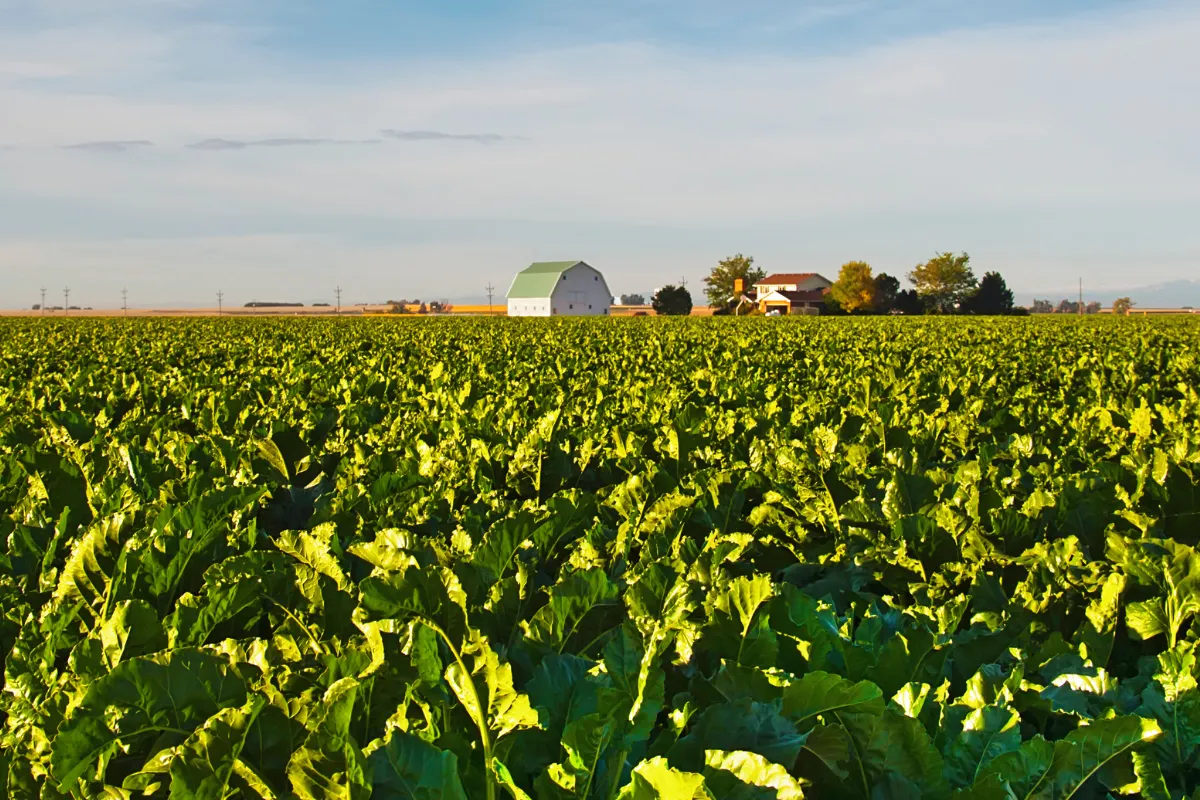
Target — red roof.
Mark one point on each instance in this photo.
(787, 278)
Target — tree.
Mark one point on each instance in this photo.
(992, 297)
(831, 307)
(886, 290)
(1092, 308)
(1067, 307)
(633, 300)
(909, 302)
(719, 282)
(1042, 307)
(1123, 305)
(855, 287)
(672, 301)
(944, 281)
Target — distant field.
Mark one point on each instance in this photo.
(229, 311)
(498, 309)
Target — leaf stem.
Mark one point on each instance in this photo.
(484, 735)
(614, 782)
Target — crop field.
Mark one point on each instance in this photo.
(640, 558)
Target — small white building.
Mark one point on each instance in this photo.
(559, 289)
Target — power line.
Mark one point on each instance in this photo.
(66, 301)
(220, 299)
(43, 305)
(490, 290)
(125, 302)
(338, 292)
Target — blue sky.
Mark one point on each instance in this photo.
(275, 149)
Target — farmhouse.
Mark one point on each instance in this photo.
(792, 293)
(559, 288)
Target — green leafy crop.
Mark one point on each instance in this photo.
(599, 559)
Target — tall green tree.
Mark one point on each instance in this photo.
(719, 283)
(855, 287)
(672, 301)
(992, 297)
(944, 281)
(887, 289)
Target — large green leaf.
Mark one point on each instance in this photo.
(91, 568)
(585, 741)
(204, 764)
(822, 693)
(986, 733)
(1041, 769)
(743, 725)
(582, 596)
(655, 779)
(748, 776)
(330, 765)
(406, 768)
(741, 630)
(497, 553)
(500, 708)
(170, 693)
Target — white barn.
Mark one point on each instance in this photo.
(559, 288)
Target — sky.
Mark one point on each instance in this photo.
(428, 148)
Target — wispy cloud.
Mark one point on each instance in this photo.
(440, 136)
(119, 146)
(238, 144)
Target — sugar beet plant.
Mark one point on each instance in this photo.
(600, 559)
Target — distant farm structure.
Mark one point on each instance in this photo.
(559, 288)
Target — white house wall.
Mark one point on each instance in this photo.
(807, 285)
(581, 292)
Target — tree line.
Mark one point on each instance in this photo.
(1121, 305)
(945, 284)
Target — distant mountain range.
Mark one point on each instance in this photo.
(1172, 294)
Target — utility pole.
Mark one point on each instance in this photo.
(1081, 297)
(338, 292)
(491, 290)
(43, 306)
(220, 299)
(66, 301)
(125, 302)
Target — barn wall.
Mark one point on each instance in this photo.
(529, 307)
(581, 292)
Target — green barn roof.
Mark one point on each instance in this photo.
(538, 280)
